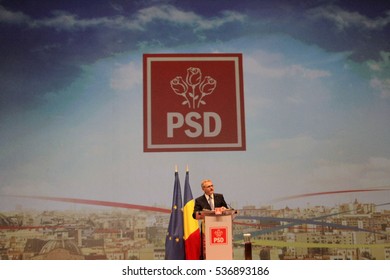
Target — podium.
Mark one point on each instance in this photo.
(217, 234)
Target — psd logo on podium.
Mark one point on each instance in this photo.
(193, 102)
(218, 236)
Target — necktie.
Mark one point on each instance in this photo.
(211, 202)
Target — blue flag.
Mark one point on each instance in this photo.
(174, 242)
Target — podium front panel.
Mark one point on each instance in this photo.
(218, 238)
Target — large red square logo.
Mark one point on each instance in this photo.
(193, 102)
(218, 236)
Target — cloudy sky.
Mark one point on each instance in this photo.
(316, 87)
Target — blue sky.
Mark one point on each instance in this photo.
(317, 99)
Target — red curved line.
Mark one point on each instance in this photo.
(96, 202)
(333, 192)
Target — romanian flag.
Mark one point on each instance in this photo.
(191, 227)
(174, 242)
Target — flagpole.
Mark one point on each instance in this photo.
(174, 242)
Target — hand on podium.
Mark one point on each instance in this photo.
(219, 210)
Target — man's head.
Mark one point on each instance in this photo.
(207, 187)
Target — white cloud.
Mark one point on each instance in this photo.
(172, 14)
(256, 65)
(167, 13)
(65, 21)
(375, 172)
(60, 20)
(273, 84)
(12, 17)
(311, 74)
(345, 19)
(228, 16)
(126, 77)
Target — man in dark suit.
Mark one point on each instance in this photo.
(209, 200)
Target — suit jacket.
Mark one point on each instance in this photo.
(202, 203)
